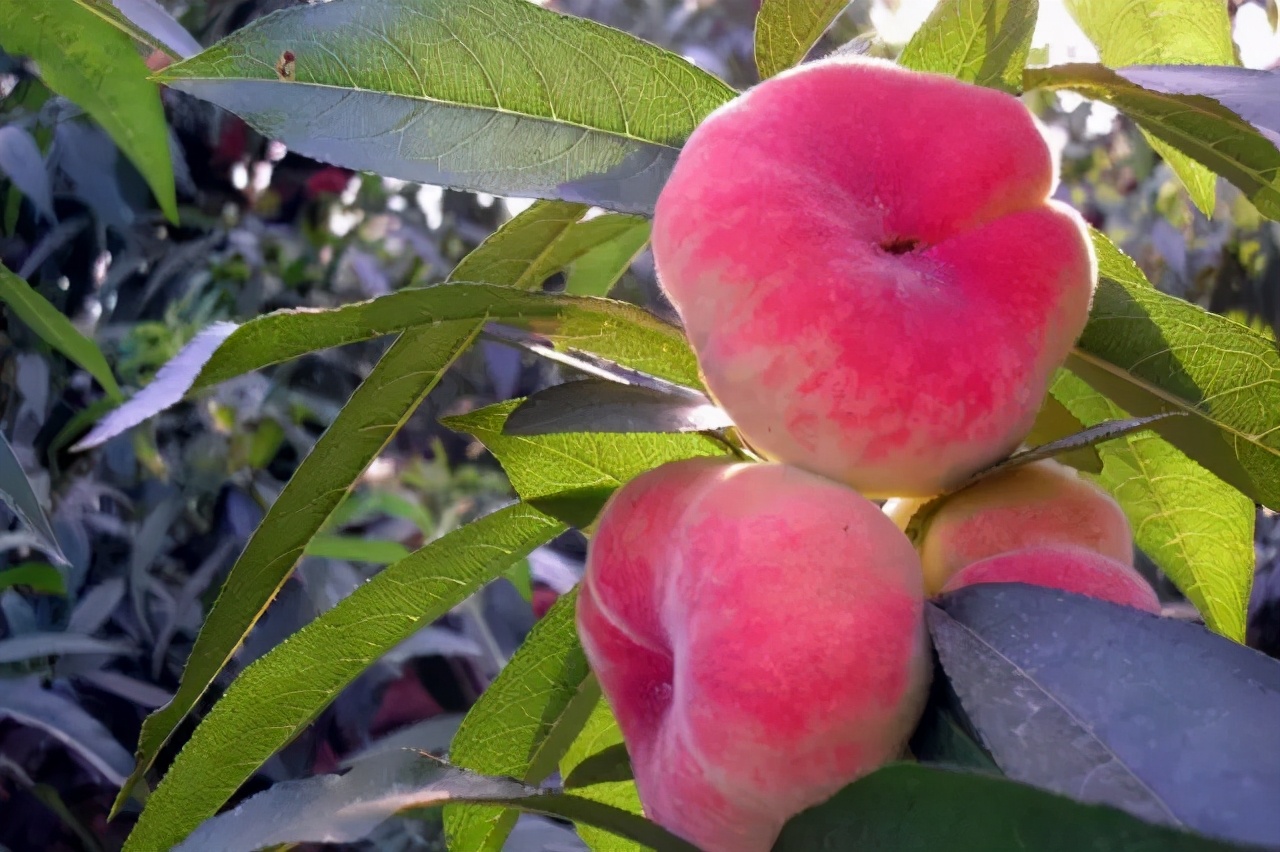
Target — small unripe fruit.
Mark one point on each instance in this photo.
(758, 632)
(1071, 569)
(1042, 503)
(871, 273)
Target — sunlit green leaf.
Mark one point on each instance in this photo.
(978, 41)
(500, 96)
(601, 732)
(786, 30)
(1162, 32)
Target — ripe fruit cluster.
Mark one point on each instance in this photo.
(878, 289)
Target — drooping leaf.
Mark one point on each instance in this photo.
(402, 378)
(922, 807)
(93, 64)
(550, 465)
(38, 576)
(978, 41)
(1111, 705)
(27, 703)
(23, 164)
(53, 327)
(1214, 137)
(599, 405)
(1198, 529)
(522, 724)
(615, 330)
(601, 734)
(502, 96)
(346, 808)
(34, 646)
(786, 30)
(1150, 352)
(1163, 32)
(19, 496)
(282, 691)
(1249, 93)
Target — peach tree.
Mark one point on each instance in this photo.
(856, 267)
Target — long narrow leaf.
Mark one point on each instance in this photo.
(281, 692)
(405, 374)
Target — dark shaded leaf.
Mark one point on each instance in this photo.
(1054, 422)
(907, 808)
(18, 495)
(26, 703)
(610, 764)
(1108, 704)
(600, 405)
(23, 164)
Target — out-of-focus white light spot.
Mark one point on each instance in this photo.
(1061, 36)
(393, 184)
(109, 303)
(380, 470)
(276, 151)
(430, 201)
(64, 283)
(101, 265)
(93, 308)
(1069, 101)
(1259, 44)
(484, 199)
(1056, 136)
(342, 221)
(8, 82)
(592, 213)
(516, 206)
(262, 172)
(397, 203)
(897, 25)
(1102, 118)
(352, 191)
(239, 176)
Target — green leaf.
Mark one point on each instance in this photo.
(786, 30)
(523, 723)
(547, 465)
(1198, 529)
(499, 96)
(93, 64)
(517, 253)
(1053, 423)
(614, 330)
(346, 809)
(355, 549)
(53, 327)
(107, 11)
(37, 576)
(600, 734)
(281, 692)
(405, 374)
(18, 495)
(905, 806)
(1163, 32)
(1196, 125)
(978, 41)
(596, 271)
(1152, 353)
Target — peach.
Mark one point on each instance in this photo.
(871, 273)
(1071, 569)
(1040, 503)
(758, 632)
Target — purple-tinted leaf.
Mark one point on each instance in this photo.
(28, 704)
(1251, 94)
(1111, 705)
(22, 163)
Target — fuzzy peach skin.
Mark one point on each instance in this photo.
(758, 632)
(870, 272)
(1041, 503)
(1071, 569)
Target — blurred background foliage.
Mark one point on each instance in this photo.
(95, 626)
